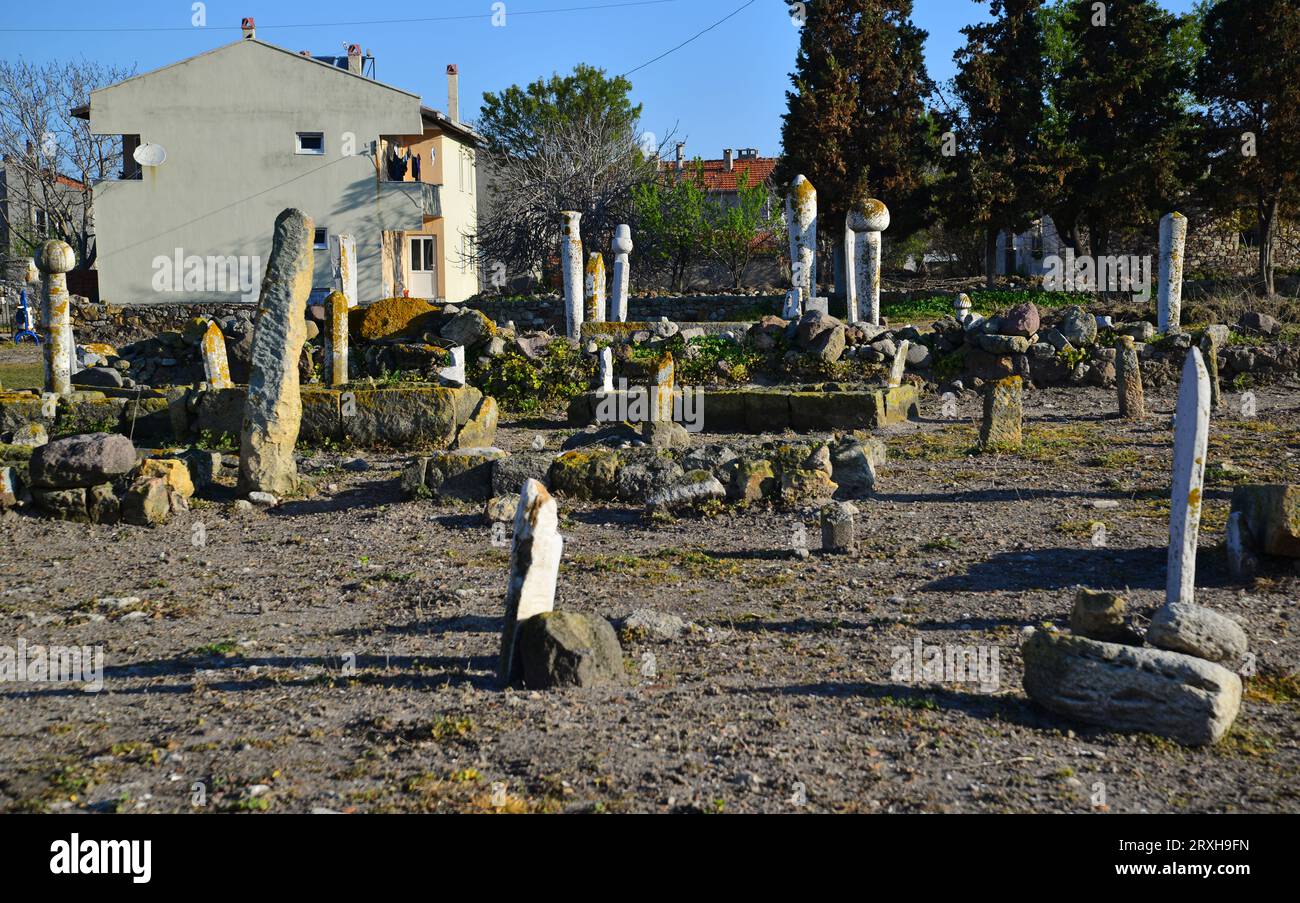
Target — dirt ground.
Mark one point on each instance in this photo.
(339, 652)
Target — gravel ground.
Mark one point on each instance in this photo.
(339, 652)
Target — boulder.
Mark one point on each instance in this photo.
(569, 649)
(80, 461)
(464, 473)
(481, 429)
(1199, 631)
(640, 480)
(394, 318)
(30, 435)
(98, 378)
(1021, 320)
(589, 473)
(1262, 324)
(1078, 326)
(852, 468)
(1270, 516)
(751, 480)
(172, 471)
(62, 504)
(1186, 699)
(509, 474)
(658, 625)
(804, 486)
(147, 503)
(694, 488)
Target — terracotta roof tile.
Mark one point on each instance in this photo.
(716, 177)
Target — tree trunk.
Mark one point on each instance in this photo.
(1267, 228)
(991, 256)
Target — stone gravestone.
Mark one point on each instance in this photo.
(899, 366)
(1128, 380)
(606, 361)
(790, 308)
(1169, 297)
(1003, 413)
(863, 284)
(1191, 436)
(837, 520)
(621, 245)
(801, 221)
(1210, 354)
(216, 366)
(593, 289)
(534, 566)
(343, 250)
(55, 258)
(659, 429)
(273, 408)
(571, 269)
(336, 339)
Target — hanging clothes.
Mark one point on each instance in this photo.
(415, 168)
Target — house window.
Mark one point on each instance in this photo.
(40, 221)
(312, 143)
(321, 239)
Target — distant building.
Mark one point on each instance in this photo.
(249, 129)
(722, 177)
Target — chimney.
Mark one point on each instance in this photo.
(681, 155)
(249, 27)
(726, 159)
(453, 92)
(354, 59)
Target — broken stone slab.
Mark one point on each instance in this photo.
(534, 567)
(1196, 630)
(693, 488)
(899, 366)
(1003, 416)
(1191, 437)
(1127, 688)
(83, 460)
(481, 429)
(273, 408)
(837, 523)
(1269, 518)
(500, 509)
(569, 649)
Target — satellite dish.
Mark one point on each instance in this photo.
(149, 154)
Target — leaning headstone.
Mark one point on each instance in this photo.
(801, 222)
(1191, 435)
(343, 253)
(837, 520)
(534, 566)
(1169, 297)
(899, 366)
(336, 338)
(1003, 415)
(273, 408)
(1128, 380)
(1129, 688)
(621, 245)
(216, 367)
(593, 289)
(55, 258)
(606, 359)
(864, 279)
(571, 269)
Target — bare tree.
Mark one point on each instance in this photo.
(588, 163)
(52, 161)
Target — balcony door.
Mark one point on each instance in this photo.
(423, 266)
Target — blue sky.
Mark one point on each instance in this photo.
(725, 89)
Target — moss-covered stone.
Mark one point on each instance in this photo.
(805, 486)
(569, 649)
(394, 318)
(1272, 515)
(589, 473)
(481, 430)
(95, 416)
(322, 418)
(765, 411)
(465, 473)
(752, 480)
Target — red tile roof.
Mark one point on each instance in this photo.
(715, 175)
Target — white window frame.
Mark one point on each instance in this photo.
(306, 151)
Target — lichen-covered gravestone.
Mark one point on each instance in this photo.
(1128, 380)
(862, 255)
(571, 270)
(55, 258)
(534, 567)
(801, 221)
(1003, 413)
(216, 366)
(593, 289)
(1169, 296)
(336, 339)
(273, 409)
(1191, 435)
